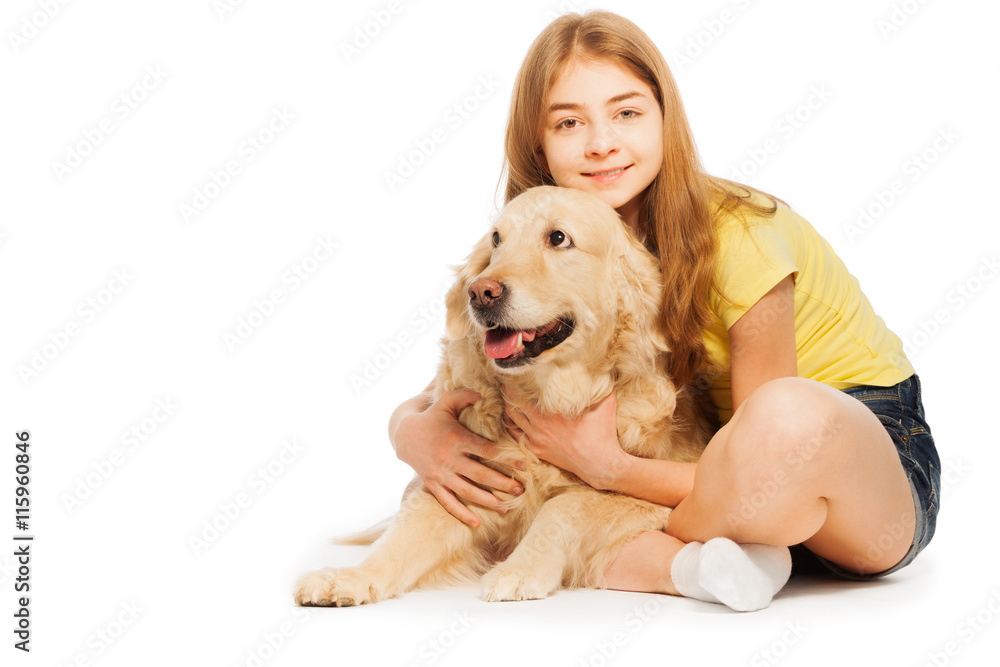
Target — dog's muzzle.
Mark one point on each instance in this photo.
(511, 347)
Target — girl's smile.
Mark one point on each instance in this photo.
(610, 176)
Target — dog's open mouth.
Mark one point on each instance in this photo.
(513, 347)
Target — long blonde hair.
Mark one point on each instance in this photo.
(678, 221)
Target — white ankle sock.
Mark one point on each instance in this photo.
(744, 577)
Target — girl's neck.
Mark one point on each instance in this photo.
(630, 215)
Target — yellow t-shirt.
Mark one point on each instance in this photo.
(839, 340)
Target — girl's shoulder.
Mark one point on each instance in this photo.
(732, 203)
(742, 210)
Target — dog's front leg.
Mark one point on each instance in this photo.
(536, 566)
(420, 544)
(571, 542)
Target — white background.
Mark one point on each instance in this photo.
(188, 283)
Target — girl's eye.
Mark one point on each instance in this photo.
(496, 239)
(569, 123)
(559, 240)
(629, 114)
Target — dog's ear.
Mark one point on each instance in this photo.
(457, 322)
(640, 292)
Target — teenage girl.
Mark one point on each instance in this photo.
(823, 441)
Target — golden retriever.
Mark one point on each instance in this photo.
(557, 305)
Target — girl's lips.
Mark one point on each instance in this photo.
(608, 175)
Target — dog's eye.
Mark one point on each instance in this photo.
(559, 240)
(496, 239)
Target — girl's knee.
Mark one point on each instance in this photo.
(787, 420)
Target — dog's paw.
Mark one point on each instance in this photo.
(335, 588)
(509, 583)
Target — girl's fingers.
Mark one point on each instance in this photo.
(453, 505)
(458, 399)
(477, 496)
(512, 459)
(516, 415)
(461, 488)
(486, 449)
(481, 474)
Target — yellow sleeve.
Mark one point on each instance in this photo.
(752, 259)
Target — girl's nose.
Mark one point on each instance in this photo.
(603, 140)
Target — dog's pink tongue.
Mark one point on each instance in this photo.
(502, 343)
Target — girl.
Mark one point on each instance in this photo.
(823, 440)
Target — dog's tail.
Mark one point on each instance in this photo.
(365, 537)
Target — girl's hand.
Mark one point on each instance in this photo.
(438, 448)
(586, 446)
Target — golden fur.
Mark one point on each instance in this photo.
(559, 532)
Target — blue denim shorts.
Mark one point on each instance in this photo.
(901, 411)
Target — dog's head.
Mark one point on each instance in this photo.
(559, 280)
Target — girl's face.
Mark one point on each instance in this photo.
(603, 133)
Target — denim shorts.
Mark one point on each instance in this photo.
(901, 411)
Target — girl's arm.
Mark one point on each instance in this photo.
(427, 436)
(762, 349)
(762, 342)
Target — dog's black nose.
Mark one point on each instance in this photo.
(486, 293)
